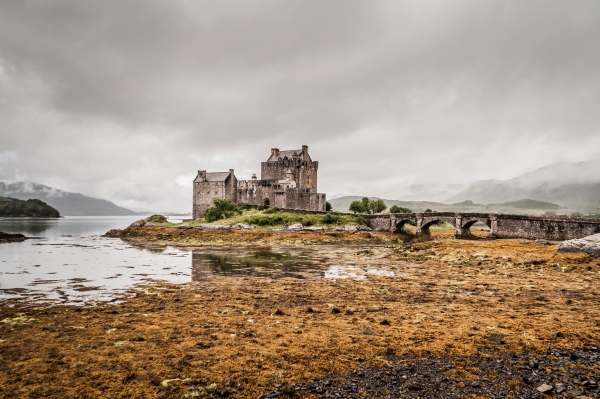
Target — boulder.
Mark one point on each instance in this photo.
(138, 223)
(351, 228)
(313, 228)
(295, 226)
(211, 227)
(587, 245)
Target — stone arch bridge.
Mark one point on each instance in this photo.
(501, 226)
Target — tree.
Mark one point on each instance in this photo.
(399, 209)
(428, 210)
(377, 206)
(328, 206)
(357, 207)
(366, 205)
(221, 209)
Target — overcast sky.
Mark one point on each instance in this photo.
(126, 100)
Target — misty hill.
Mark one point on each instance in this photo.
(432, 192)
(71, 204)
(12, 207)
(572, 185)
(525, 206)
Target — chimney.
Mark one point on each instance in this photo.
(202, 175)
(274, 151)
(305, 152)
(253, 176)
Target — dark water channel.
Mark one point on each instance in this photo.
(69, 261)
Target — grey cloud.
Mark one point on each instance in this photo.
(137, 92)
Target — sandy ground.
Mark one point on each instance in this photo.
(239, 337)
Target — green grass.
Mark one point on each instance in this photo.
(268, 218)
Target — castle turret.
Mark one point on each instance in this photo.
(289, 174)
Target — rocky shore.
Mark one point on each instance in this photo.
(7, 237)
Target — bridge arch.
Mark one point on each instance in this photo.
(467, 221)
(426, 220)
(399, 222)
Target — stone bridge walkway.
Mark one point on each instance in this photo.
(501, 226)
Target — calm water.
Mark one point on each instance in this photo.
(70, 261)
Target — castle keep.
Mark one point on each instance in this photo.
(288, 180)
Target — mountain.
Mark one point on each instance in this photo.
(69, 204)
(572, 185)
(525, 206)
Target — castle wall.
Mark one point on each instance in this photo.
(251, 192)
(204, 194)
(305, 172)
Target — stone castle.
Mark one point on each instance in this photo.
(288, 180)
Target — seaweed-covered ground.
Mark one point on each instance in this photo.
(464, 319)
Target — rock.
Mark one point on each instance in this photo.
(242, 226)
(545, 388)
(8, 237)
(384, 322)
(314, 228)
(335, 311)
(540, 241)
(588, 245)
(295, 226)
(560, 388)
(138, 223)
(212, 227)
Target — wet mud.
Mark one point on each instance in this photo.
(450, 315)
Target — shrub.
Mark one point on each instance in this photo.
(270, 210)
(221, 209)
(399, 209)
(328, 206)
(329, 219)
(158, 219)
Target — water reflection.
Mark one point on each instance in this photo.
(256, 262)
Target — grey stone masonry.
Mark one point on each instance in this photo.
(553, 228)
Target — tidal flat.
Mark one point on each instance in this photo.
(408, 318)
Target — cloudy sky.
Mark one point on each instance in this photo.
(126, 100)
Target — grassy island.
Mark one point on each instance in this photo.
(12, 207)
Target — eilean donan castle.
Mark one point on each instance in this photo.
(288, 180)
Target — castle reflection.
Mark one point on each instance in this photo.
(263, 262)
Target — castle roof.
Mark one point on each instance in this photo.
(283, 154)
(214, 176)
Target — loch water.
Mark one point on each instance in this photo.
(68, 260)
